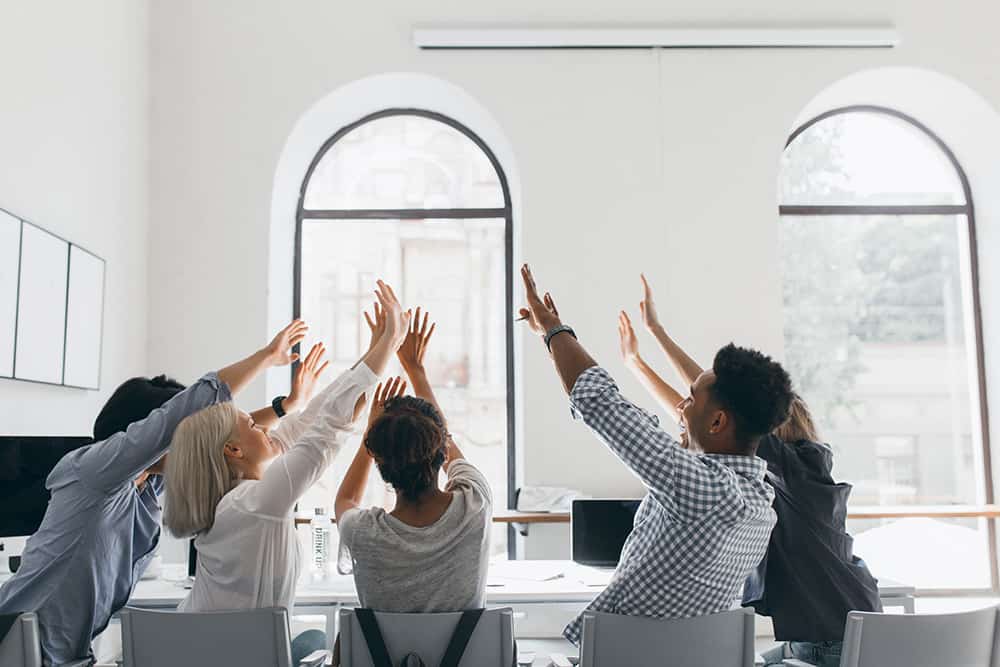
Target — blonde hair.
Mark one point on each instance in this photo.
(197, 474)
(799, 425)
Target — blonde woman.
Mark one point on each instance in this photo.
(233, 485)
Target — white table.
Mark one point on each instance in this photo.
(510, 583)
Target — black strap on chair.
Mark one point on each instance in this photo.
(373, 637)
(452, 655)
(460, 637)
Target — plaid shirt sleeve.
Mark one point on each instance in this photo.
(684, 484)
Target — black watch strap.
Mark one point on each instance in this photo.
(277, 407)
(556, 330)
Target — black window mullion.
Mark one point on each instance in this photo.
(847, 209)
(403, 214)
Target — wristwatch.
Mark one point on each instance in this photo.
(277, 407)
(554, 331)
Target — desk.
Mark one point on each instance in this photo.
(522, 585)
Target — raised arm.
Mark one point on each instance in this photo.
(277, 353)
(411, 358)
(661, 390)
(352, 488)
(292, 473)
(123, 456)
(570, 358)
(303, 385)
(686, 367)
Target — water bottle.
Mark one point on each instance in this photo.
(321, 534)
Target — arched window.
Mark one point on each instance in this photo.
(883, 338)
(417, 199)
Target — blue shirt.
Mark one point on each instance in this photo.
(702, 527)
(99, 530)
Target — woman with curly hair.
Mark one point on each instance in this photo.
(430, 552)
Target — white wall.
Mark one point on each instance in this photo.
(74, 131)
(629, 160)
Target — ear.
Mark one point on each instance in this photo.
(719, 422)
(232, 451)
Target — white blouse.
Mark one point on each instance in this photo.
(250, 557)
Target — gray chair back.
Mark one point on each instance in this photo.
(21, 647)
(250, 638)
(427, 635)
(717, 640)
(967, 639)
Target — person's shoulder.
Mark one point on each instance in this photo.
(360, 518)
(467, 478)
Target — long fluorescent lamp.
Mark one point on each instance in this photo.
(443, 37)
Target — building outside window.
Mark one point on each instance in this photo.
(882, 335)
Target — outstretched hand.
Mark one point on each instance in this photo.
(306, 377)
(648, 309)
(376, 324)
(383, 393)
(397, 321)
(411, 352)
(627, 339)
(541, 313)
(279, 350)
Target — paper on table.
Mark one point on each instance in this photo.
(525, 570)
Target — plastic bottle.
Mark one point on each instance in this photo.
(321, 538)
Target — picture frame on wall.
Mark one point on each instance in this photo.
(51, 307)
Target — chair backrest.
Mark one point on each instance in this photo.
(965, 639)
(427, 635)
(716, 640)
(251, 638)
(21, 647)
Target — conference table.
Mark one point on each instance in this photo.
(544, 594)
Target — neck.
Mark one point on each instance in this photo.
(424, 500)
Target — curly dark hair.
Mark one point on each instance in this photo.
(132, 402)
(754, 389)
(408, 442)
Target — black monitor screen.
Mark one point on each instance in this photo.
(600, 528)
(25, 462)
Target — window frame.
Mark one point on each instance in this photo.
(505, 212)
(968, 210)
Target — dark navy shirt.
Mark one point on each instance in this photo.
(809, 578)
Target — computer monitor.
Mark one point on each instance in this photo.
(600, 528)
(25, 462)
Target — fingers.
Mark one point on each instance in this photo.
(293, 357)
(529, 284)
(430, 333)
(645, 286)
(386, 295)
(294, 327)
(371, 325)
(322, 368)
(550, 304)
(315, 353)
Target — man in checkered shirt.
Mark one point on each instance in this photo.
(706, 519)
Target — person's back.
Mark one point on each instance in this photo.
(431, 552)
(811, 577)
(436, 568)
(101, 525)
